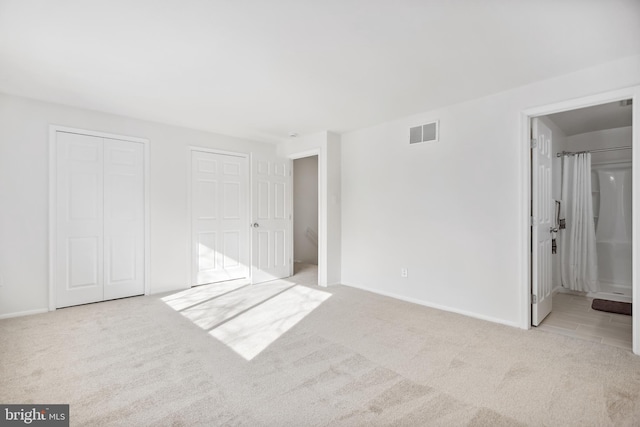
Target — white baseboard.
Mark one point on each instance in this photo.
(24, 313)
(438, 306)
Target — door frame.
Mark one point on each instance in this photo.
(322, 212)
(632, 93)
(297, 156)
(247, 157)
(53, 198)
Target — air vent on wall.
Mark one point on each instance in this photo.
(423, 133)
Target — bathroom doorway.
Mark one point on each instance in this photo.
(305, 218)
(530, 299)
(581, 221)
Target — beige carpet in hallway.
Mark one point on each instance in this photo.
(339, 356)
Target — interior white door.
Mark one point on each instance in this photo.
(123, 219)
(220, 238)
(542, 212)
(100, 219)
(271, 211)
(79, 219)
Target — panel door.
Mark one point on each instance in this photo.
(220, 238)
(271, 211)
(123, 219)
(542, 209)
(79, 220)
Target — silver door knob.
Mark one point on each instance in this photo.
(553, 230)
(255, 225)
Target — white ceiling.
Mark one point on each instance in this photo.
(599, 117)
(261, 69)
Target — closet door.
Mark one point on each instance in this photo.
(79, 219)
(271, 210)
(219, 220)
(123, 219)
(100, 219)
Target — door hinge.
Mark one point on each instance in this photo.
(534, 299)
(532, 220)
(534, 143)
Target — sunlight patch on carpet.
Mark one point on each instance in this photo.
(216, 311)
(196, 295)
(254, 330)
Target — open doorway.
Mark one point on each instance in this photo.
(581, 232)
(305, 218)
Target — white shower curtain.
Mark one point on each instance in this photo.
(578, 257)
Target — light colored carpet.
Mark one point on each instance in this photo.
(342, 357)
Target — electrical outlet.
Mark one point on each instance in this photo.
(404, 272)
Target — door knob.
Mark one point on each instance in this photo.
(255, 225)
(553, 229)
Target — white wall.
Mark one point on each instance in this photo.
(618, 137)
(452, 212)
(334, 208)
(24, 175)
(305, 209)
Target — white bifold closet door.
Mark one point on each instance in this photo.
(219, 217)
(100, 251)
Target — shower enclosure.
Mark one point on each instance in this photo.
(611, 187)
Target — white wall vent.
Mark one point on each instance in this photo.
(423, 133)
